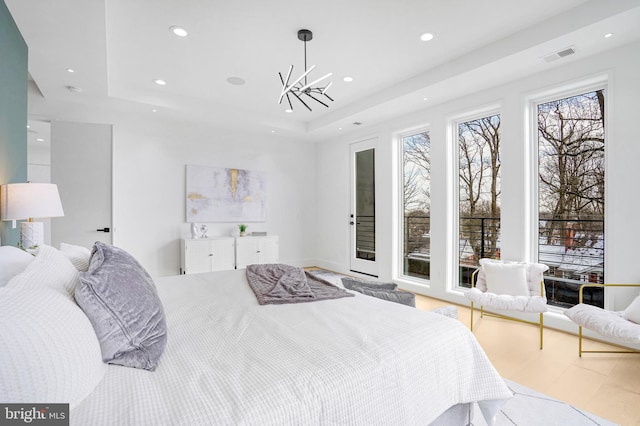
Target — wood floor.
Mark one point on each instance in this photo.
(607, 385)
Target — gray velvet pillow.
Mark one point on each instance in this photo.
(120, 299)
(353, 284)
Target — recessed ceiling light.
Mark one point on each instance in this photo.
(160, 82)
(236, 81)
(348, 79)
(273, 131)
(28, 127)
(71, 70)
(425, 99)
(179, 31)
(40, 140)
(288, 110)
(154, 110)
(608, 35)
(426, 37)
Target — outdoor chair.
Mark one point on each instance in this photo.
(623, 326)
(509, 286)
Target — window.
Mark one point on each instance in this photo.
(416, 202)
(571, 173)
(479, 193)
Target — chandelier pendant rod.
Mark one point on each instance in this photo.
(305, 60)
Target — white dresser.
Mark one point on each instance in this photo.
(251, 250)
(224, 253)
(207, 254)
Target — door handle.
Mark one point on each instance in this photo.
(104, 230)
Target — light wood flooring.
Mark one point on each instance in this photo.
(607, 385)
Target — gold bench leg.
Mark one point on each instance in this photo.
(541, 328)
(472, 316)
(580, 342)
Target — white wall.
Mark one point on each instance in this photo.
(149, 188)
(622, 231)
(39, 171)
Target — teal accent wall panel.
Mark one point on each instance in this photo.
(13, 111)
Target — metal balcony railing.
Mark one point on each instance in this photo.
(573, 250)
(417, 246)
(366, 237)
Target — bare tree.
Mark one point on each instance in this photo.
(412, 190)
(571, 163)
(417, 160)
(479, 162)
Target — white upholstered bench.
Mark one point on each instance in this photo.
(619, 325)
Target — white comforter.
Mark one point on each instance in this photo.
(356, 360)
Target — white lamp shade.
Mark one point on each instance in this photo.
(19, 201)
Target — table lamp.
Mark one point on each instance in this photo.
(25, 201)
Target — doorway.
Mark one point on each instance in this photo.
(81, 164)
(362, 218)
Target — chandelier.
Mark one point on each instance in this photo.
(300, 88)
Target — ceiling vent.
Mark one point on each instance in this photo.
(560, 54)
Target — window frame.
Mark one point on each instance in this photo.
(576, 88)
(399, 187)
(454, 227)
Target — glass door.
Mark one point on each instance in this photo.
(363, 208)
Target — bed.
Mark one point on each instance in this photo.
(353, 360)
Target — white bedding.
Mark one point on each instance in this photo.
(356, 360)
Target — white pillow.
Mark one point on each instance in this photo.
(632, 313)
(49, 268)
(535, 274)
(48, 349)
(78, 255)
(12, 262)
(506, 278)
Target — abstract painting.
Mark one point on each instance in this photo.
(218, 194)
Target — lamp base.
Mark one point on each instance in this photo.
(31, 234)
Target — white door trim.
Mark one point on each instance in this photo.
(356, 263)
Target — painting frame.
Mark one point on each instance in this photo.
(224, 194)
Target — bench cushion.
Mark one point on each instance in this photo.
(533, 304)
(604, 322)
(632, 313)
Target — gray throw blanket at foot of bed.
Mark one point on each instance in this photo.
(277, 283)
